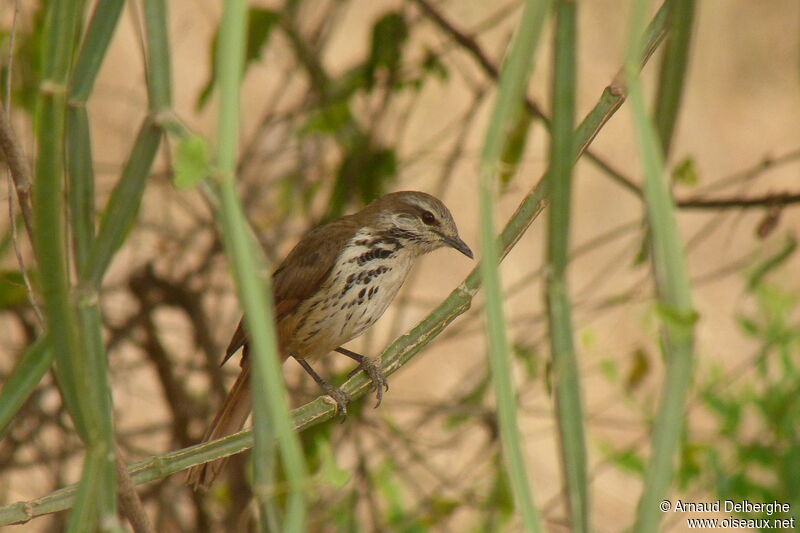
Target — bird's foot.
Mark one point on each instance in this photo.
(340, 397)
(372, 368)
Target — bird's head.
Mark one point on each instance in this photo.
(418, 220)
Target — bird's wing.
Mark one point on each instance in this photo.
(302, 272)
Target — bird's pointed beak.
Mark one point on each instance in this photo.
(458, 244)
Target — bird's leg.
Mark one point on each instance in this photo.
(371, 368)
(339, 396)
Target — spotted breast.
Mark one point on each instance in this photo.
(363, 281)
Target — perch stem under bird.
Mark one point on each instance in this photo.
(335, 283)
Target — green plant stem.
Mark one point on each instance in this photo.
(614, 95)
(48, 208)
(100, 459)
(569, 405)
(508, 106)
(80, 171)
(80, 178)
(123, 205)
(674, 295)
(120, 212)
(158, 65)
(28, 372)
(94, 47)
(271, 417)
(674, 64)
(83, 384)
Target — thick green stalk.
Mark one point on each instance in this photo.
(99, 469)
(674, 295)
(271, 418)
(158, 62)
(120, 212)
(94, 47)
(510, 96)
(614, 95)
(80, 178)
(91, 512)
(81, 363)
(674, 64)
(80, 171)
(48, 207)
(84, 388)
(103, 447)
(569, 405)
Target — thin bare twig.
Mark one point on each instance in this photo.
(19, 173)
(129, 502)
(767, 163)
(767, 200)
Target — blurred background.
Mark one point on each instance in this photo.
(344, 100)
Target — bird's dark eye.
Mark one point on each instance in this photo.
(428, 218)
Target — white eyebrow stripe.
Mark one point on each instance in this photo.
(422, 204)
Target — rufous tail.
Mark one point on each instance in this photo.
(229, 419)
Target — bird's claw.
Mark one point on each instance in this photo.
(372, 368)
(340, 398)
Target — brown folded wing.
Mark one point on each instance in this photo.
(302, 273)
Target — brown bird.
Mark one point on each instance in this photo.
(335, 283)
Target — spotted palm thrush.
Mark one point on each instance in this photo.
(335, 283)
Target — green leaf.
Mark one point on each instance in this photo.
(382, 164)
(391, 493)
(471, 399)
(640, 368)
(430, 66)
(27, 73)
(610, 370)
(727, 410)
(527, 355)
(748, 325)
(673, 317)
(513, 148)
(629, 459)
(685, 173)
(364, 173)
(500, 496)
(328, 119)
(330, 473)
(26, 375)
(691, 465)
(192, 163)
(756, 452)
(643, 254)
(772, 262)
(433, 65)
(388, 36)
(260, 23)
(12, 289)
(346, 85)
(439, 510)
